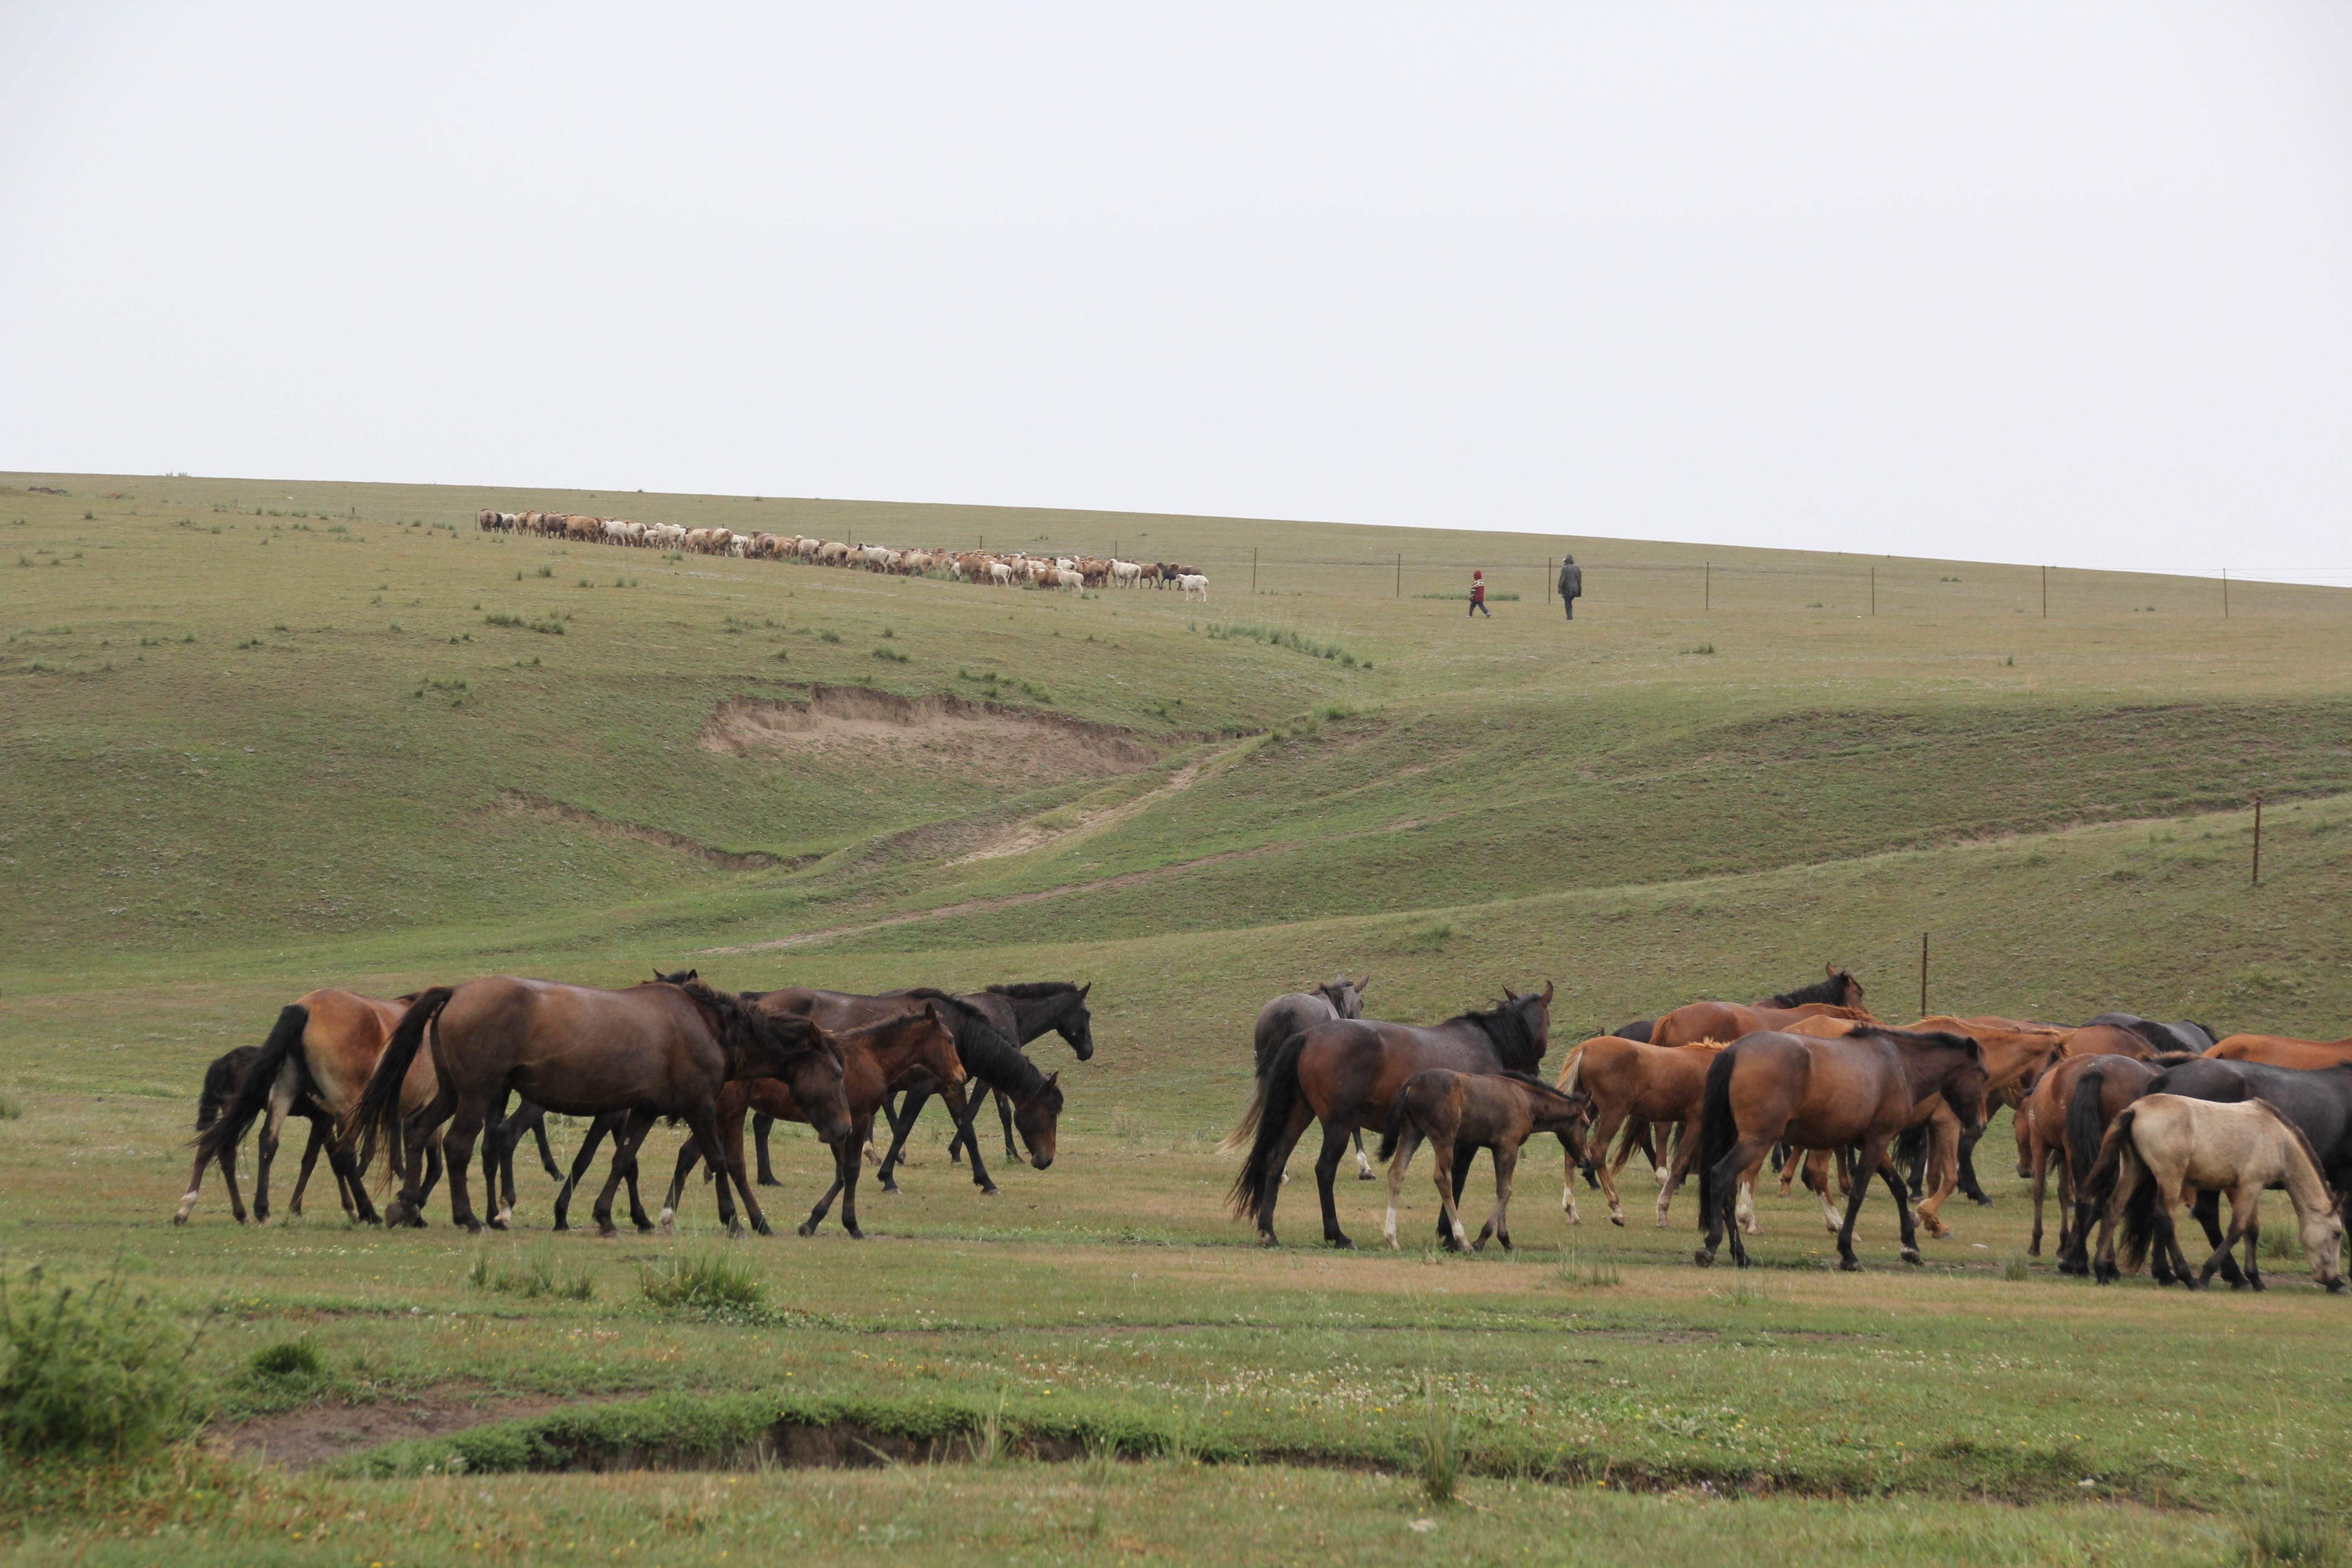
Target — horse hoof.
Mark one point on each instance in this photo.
(989, 1191)
(1363, 1175)
(1703, 1259)
(765, 1228)
(767, 1182)
(2337, 1287)
(1341, 1242)
(809, 1229)
(606, 1232)
(1911, 1255)
(1980, 1201)
(1619, 1221)
(1849, 1265)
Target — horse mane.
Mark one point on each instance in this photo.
(2318, 1171)
(731, 1015)
(1507, 1026)
(1033, 990)
(987, 1053)
(1831, 989)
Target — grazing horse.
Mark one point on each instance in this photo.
(2103, 1089)
(2042, 1120)
(1022, 1012)
(1458, 1111)
(873, 1057)
(1632, 1084)
(325, 1047)
(2016, 1055)
(222, 1081)
(1863, 1089)
(995, 1064)
(2318, 1103)
(1294, 1013)
(657, 1048)
(2283, 1051)
(1346, 1073)
(2167, 1144)
(2195, 1038)
(1837, 995)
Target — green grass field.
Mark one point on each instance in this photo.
(263, 736)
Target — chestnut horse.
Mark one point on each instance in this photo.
(1344, 1073)
(875, 1058)
(659, 1049)
(2283, 1051)
(2064, 1124)
(324, 1047)
(1629, 1083)
(1833, 1094)
(1838, 997)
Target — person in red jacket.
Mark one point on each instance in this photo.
(1478, 595)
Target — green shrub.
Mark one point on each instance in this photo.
(9, 1109)
(1441, 1447)
(538, 1276)
(91, 1371)
(288, 1361)
(714, 1280)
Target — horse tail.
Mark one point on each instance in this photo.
(1267, 1045)
(1572, 1069)
(2119, 1162)
(253, 1092)
(2083, 1123)
(1393, 1132)
(379, 1107)
(2097, 1184)
(1718, 1128)
(1277, 1095)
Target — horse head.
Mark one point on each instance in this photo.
(1038, 1117)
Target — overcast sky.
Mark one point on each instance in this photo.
(2066, 283)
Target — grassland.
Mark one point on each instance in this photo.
(262, 736)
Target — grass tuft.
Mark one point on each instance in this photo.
(1441, 1447)
(714, 1281)
(92, 1372)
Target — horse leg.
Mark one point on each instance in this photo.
(629, 1129)
(196, 1184)
(761, 1124)
(1326, 1169)
(413, 1135)
(729, 1146)
(458, 1152)
(1463, 1153)
(845, 1158)
(310, 1163)
(1407, 1141)
(1272, 1187)
(1506, 1165)
(849, 1182)
(1722, 1185)
(582, 1164)
(900, 1125)
(1449, 1193)
(1816, 1168)
(1603, 1170)
(1874, 1151)
(966, 1116)
(1607, 1171)
(350, 1185)
(1967, 1169)
(2244, 1207)
(1686, 1153)
(494, 1150)
(281, 1105)
(2208, 1210)
(1004, 1114)
(546, 1152)
(1568, 1186)
(1902, 1206)
(2039, 1157)
(1943, 1164)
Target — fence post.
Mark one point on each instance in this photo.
(1923, 975)
(2258, 841)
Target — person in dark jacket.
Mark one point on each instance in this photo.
(1478, 595)
(1572, 584)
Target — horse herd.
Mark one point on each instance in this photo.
(2133, 1118)
(364, 1070)
(1075, 572)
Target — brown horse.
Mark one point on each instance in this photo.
(2044, 1116)
(1457, 1112)
(1825, 1094)
(222, 1081)
(2108, 1040)
(1294, 1013)
(1838, 997)
(1630, 1083)
(324, 1049)
(661, 1050)
(1344, 1073)
(2283, 1051)
(2016, 1055)
(875, 1058)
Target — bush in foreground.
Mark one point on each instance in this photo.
(91, 1371)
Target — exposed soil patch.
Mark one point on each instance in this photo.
(299, 1439)
(546, 810)
(987, 740)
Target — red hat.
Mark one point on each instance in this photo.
(1477, 573)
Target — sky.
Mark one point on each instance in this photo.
(2045, 282)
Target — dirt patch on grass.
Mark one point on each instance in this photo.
(299, 1439)
(522, 803)
(988, 739)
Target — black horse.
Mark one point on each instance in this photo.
(2194, 1038)
(223, 1079)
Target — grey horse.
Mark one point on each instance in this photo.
(1294, 1012)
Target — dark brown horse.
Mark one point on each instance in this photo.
(875, 1057)
(324, 1049)
(1346, 1072)
(661, 1050)
(1860, 1089)
(1839, 995)
(2049, 1139)
(222, 1081)
(1458, 1111)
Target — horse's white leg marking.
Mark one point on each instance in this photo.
(1746, 1210)
(187, 1206)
